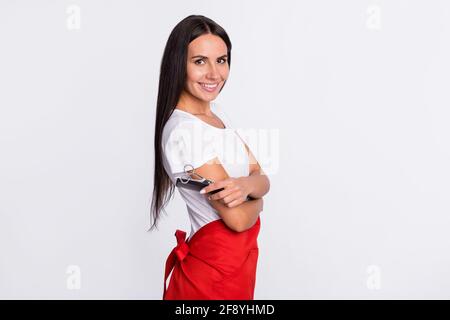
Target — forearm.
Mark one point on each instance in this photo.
(258, 184)
(249, 213)
(241, 217)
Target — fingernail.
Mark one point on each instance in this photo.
(202, 191)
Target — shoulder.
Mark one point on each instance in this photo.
(175, 119)
(187, 126)
(176, 125)
(187, 141)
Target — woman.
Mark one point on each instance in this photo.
(218, 260)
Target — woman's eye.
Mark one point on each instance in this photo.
(221, 59)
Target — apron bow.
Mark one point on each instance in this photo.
(179, 252)
(182, 249)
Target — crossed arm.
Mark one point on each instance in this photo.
(244, 215)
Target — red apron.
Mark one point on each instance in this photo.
(216, 263)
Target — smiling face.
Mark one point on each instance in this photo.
(207, 68)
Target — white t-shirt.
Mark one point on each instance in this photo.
(187, 139)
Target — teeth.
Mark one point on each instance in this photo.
(210, 86)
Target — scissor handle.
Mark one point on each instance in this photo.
(189, 165)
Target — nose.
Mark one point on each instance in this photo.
(213, 72)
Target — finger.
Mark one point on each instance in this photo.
(214, 186)
(236, 195)
(222, 194)
(234, 203)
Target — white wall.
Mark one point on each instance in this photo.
(357, 90)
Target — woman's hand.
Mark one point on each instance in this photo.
(235, 191)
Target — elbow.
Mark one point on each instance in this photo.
(268, 184)
(238, 227)
(235, 224)
(242, 226)
(233, 218)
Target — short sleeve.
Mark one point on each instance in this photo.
(189, 143)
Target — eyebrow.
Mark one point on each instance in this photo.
(203, 57)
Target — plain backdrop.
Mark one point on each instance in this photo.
(354, 93)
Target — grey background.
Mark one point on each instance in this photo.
(357, 89)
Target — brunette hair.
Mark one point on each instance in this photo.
(172, 80)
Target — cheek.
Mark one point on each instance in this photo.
(194, 74)
(224, 72)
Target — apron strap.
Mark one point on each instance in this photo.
(179, 252)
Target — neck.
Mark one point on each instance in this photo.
(193, 105)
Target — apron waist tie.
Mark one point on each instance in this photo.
(179, 252)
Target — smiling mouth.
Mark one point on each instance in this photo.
(210, 87)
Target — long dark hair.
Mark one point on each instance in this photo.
(172, 80)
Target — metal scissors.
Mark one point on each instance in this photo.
(190, 172)
(201, 180)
